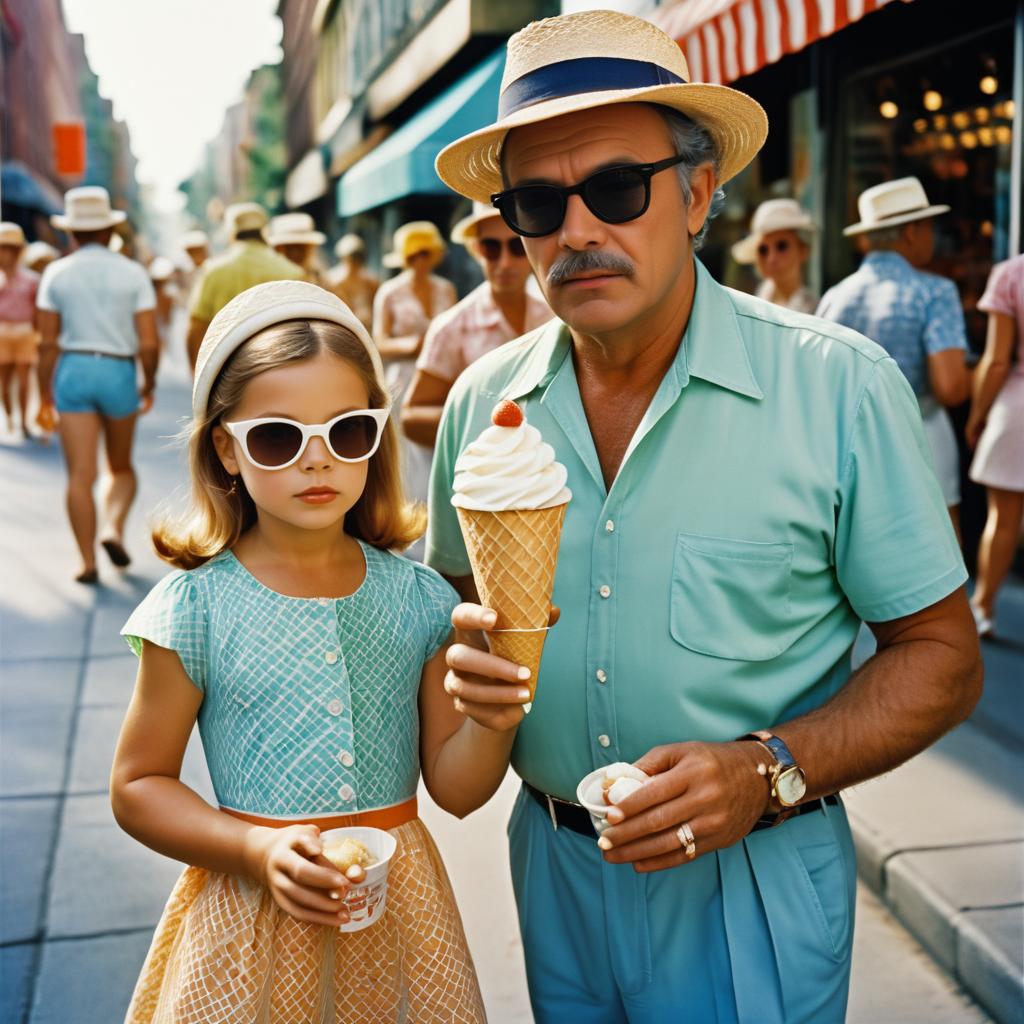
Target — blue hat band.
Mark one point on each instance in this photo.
(580, 75)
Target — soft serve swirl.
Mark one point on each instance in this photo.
(509, 468)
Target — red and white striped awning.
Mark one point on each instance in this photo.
(726, 39)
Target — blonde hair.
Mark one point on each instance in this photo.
(221, 509)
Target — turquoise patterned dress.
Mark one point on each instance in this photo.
(310, 708)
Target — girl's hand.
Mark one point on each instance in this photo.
(302, 881)
(972, 431)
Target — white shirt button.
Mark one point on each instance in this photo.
(605, 591)
(609, 526)
(604, 740)
(330, 657)
(335, 707)
(346, 792)
(602, 676)
(346, 759)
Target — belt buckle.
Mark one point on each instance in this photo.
(551, 811)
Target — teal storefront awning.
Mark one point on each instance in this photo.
(403, 163)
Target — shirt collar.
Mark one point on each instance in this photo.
(712, 349)
(880, 257)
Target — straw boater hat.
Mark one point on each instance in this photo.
(259, 307)
(416, 236)
(771, 215)
(892, 203)
(465, 231)
(349, 245)
(293, 229)
(194, 240)
(239, 217)
(593, 59)
(11, 234)
(87, 209)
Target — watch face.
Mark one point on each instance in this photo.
(790, 787)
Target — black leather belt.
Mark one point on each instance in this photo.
(577, 818)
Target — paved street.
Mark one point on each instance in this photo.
(79, 899)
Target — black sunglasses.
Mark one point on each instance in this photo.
(782, 245)
(490, 248)
(614, 195)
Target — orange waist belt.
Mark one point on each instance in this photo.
(382, 817)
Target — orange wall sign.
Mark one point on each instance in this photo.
(69, 148)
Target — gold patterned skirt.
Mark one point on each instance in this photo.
(225, 953)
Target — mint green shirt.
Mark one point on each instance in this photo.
(778, 490)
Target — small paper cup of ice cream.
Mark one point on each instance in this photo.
(357, 845)
(617, 780)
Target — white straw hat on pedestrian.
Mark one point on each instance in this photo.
(195, 240)
(239, 217)
(259, 307)
(349, 245)
(416, 236)
(771, 215)
(465, 231)
(293, 229)
(593, 59)
(892, 203)
(11, 234)
(161, 269)
(87, 209)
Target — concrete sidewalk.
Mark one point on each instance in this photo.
(79, 899)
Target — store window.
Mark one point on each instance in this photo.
(945, 116)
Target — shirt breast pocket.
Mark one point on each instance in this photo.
(730, 598)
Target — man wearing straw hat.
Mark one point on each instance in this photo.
(249, 261)
(351, 281)
(19, 341)
(101, 307)
(295, 237)
(915, 316)
(494, 312)
(779, 246)
(731, 465)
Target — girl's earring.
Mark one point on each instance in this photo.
(234, 486)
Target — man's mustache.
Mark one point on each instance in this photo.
(587, 261)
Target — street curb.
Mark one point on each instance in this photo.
(957, 944)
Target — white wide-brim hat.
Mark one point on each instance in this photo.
(892, 203)
(239, 217)
(349, 245)
(465, 231)
(293, 229)
(11, 234)
(259, 307)
(592, 59)
(771, 215)
(87, 209)
(416, 236)
(195, 240)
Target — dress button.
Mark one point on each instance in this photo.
(604, 740)
(605, 591)
(335, 707)
(609, 526)
(346, 792)
(602, 676)
(330, 657)
(346, 759)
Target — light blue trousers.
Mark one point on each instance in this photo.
(760, 933)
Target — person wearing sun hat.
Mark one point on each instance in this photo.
(248, 261)
(778, 245)
(295, 237)
(403, 309)
(739, 474)
(350, 280)
(97, 321)
(916, 316)
(496, 311)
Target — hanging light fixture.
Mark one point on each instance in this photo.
(921, 125)
(889, 110)
(961, 119)
(989, 85)
(968, 140)
(982, 115)
(932, 99)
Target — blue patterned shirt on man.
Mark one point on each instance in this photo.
(910, 313)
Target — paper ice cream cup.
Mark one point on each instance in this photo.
(365, 901)
(590, 794)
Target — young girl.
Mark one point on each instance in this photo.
(313, 659)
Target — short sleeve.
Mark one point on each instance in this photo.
(445, 549)
(439, 599)
(145, 295)
(895, 548)
(45, 299)
(441, 353)
(173, 615)
(944, 328)
(999, 292)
